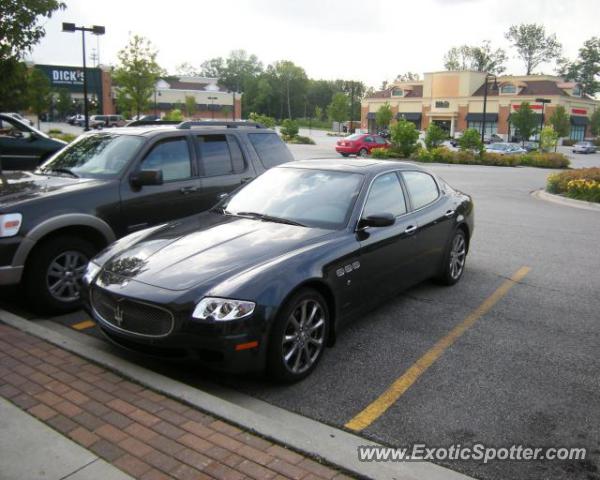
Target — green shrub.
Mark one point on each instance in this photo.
(66, 137)
(380, 153)
(300, 140)
(498, 160)
(434, 136)
(467, 157)
(289, 128)
(558, 182)
(404, 136)
(174, 115)
(470, 140)
(265, 120)
(54, 131)
(442, 155)
(567, 142)
(545, 160)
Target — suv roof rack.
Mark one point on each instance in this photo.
(139, 123)
(213, 123)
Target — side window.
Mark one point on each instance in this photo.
(421, 188)
(237, 158)
(172, 157)
(270, 149)
(10, 129)
(380, 141)
(385, 196)
(368, 140)
(214, 155)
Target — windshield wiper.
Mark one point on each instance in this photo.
(68, 171)
(268, 218)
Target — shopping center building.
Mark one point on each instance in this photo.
(455, 102)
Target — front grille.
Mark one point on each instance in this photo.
(130, 315)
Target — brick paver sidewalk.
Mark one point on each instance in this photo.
(143, 433)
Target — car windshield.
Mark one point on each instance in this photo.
(99, 155)
(498, 146)
(313, 198)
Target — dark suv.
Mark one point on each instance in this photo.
(108, 184)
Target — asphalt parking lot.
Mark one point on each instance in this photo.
(524, 369)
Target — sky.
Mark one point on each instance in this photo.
(368, 40)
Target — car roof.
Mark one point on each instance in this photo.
(152, 130)
(364, 166)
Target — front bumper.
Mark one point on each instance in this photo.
(236, 346)
(346, 150)
(10, 275)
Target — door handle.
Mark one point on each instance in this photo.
(246, 180)
(449, 213)
(411, 229)
(221, 196)
(186, 190)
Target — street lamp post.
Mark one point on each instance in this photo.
(485, 95)
(543, 101)
(96, 30)
(212, 110)
(233, 107)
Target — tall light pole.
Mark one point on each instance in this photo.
(485, 95)
(543, 101)
(212, 110)
(96, 30)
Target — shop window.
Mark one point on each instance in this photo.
(577, 132)
(491, 128)
(509, 88)
(397, 92)
(576, 92)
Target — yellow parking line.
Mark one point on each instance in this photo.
(83, 325)
(372, 412)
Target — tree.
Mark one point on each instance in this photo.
(595, 123)
(289, 128)
(404, 136)
(434, 136)
(408, 77)
(338, 108)
(560, 121)
(64, 103)
(384, 115)
(40, 96)
(212, 68)
(525, 121)
(533, 45)
(238, 68)
(480, 58)
(548, 139)
(470, 140)
(586, 69)
(174, 115)
(268, 122)
(136, 74)
(20, 27)
(291, 84)
(13, 86)
(318, 113)
(186, 69)
(190, 105)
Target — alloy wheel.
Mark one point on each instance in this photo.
(304, 336)
(457, 256)
(64, 275)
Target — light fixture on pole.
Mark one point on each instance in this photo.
(543, 101)
(96, 30)
(485, 95)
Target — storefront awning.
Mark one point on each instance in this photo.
(371, 116)
(478, 117)
(410, 116)
(582, 121)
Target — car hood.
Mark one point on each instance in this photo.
(16, 186)
(204, 249)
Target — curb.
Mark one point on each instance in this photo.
(312, 438)
(568, 202)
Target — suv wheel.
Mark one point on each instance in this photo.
(298, 337)
(54, 272)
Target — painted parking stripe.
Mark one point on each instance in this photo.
(373, 411)
(83, 325)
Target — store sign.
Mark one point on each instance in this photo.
(71, 78)
(442, 104)
(533, 107)
(66, 77)
(579, 111)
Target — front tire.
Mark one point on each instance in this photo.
(298, 337)
(54, 272)
(454, 260)
(363, 152)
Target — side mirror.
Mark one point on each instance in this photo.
(146, 177)
(378, 220)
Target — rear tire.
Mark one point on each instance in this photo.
(363, 153)
(455, 260)
(298, 337)
(54, 271)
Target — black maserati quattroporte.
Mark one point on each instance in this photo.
(269, 276)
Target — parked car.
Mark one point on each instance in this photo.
(108, 184)
(108, 121)
(584, 147)
(19, 117)
(360, 144)
(23, 147)
(76, 119)
(268, 279)
(493, 138)
(505, 149)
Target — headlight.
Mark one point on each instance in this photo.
(91, 271)
(10, 224)
(221, 309)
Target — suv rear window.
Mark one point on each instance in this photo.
(220, 155)
(270, 149)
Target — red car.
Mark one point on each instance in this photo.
(360, 144)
